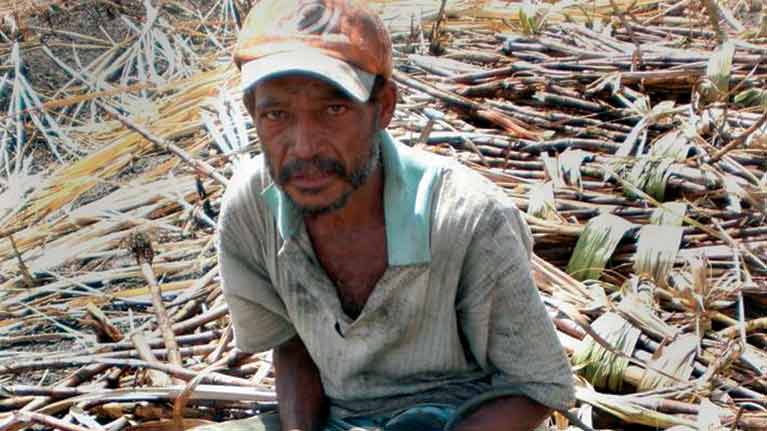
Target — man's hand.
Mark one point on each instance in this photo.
(300, 397)
(506, 414)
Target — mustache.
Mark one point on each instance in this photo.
(317, 164)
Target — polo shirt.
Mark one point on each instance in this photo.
(455, 312)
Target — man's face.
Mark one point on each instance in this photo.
(320, 145)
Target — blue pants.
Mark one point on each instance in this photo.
(422, 417)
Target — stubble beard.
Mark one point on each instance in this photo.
(356, 179)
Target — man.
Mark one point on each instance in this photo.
(393, 285)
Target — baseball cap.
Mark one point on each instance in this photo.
(339, 41)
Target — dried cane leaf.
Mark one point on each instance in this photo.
(661, 110)
(735, 193)
(656, 251)
(85, 419)
(638, 134)
(169, 425)
(751, 97)
(570, 163)
(601, 367)
(719, 67)
(596, 245)
(635, 308)
(650, 176)
(627, 409)
(673, 145)
(551, 167)
(755, 358)
(669, 214)
(709, 416)
(541, 201)
(675, 359)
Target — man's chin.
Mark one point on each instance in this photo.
(315, 207)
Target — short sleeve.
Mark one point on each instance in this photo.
(502, 315)
(258, 314)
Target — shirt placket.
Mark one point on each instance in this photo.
(304, 266)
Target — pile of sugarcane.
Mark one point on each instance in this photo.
(633, 136)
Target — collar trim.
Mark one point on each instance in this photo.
(408, 189)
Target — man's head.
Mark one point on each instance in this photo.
(316, 78)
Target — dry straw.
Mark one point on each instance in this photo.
(631, 134)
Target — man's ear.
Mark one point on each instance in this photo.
(386, 99)
(247, 100)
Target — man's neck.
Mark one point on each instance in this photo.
(363, 209)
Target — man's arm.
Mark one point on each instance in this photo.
(300, 395)
(508, 329)
(506, 414)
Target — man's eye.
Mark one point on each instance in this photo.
(275, 115)
(337, 109)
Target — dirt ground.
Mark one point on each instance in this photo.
(91, 18)
(100, 20)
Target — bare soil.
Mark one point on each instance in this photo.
(91, 18)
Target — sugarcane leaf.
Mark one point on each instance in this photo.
(551, 167)
(640, 313)
(709, 416)
(85, 419)
(751, 97)
(640, 105)
(596, 245)
(19, 185)
(719, 66)
(150, 53)
(755, 358)
(238, 115)
(675, 359)
(570, 163)
(637, 134)
(150, 17)
(212, 128)
(601, 367)
(637, 177)
(599, 296)
(735, 193)
(674, 145)
(541, 202)
(658, 179)
(626, 408)
(542, 17)
(610, 82)
(227, 123)
(661, 110)
(648, 175)
(669, 214)
(656, 251)
(527, 13)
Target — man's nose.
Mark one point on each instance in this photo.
(305, 139)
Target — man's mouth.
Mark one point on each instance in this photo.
(313, 180)
(311, 175)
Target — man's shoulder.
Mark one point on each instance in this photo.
(469, 202)
(242, 199)
(249, 180)
(462, 185)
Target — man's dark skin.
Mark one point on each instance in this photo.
(302, 118)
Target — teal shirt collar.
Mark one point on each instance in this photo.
(408, 186)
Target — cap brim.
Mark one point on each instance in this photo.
(355, 82)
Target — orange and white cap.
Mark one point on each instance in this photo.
(340, 41)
